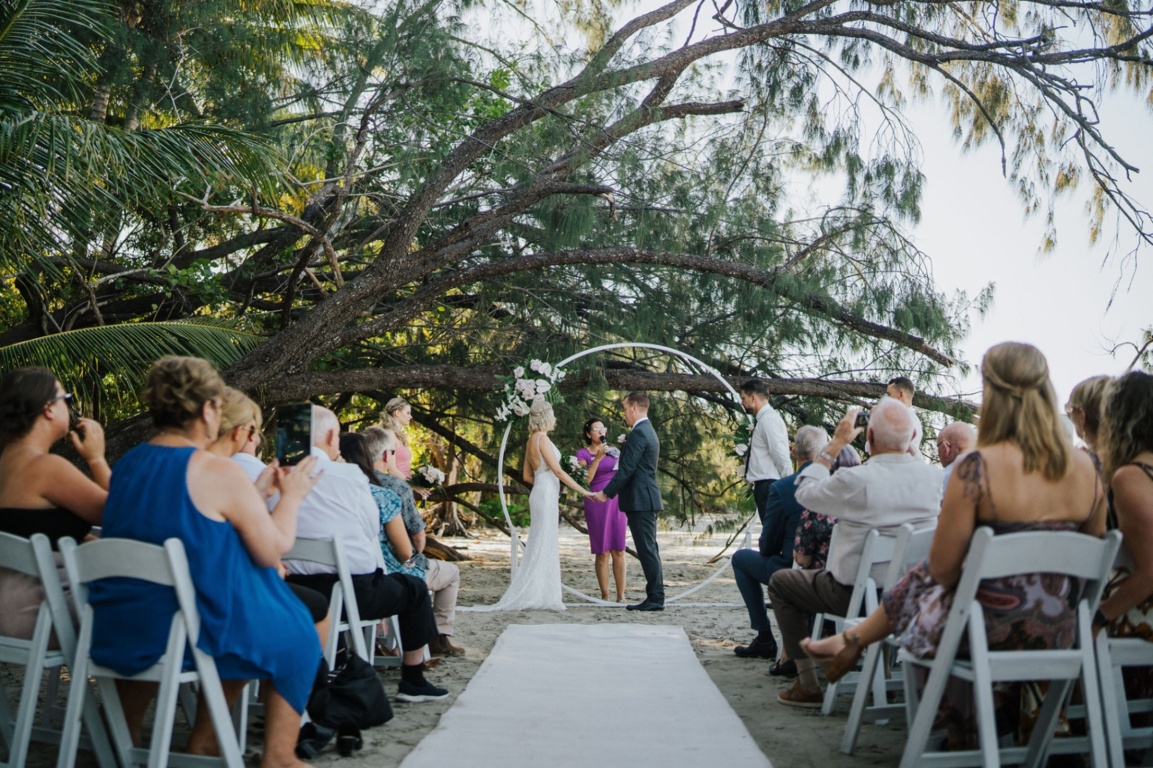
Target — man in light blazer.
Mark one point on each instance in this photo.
(640, 498)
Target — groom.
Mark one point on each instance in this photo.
(640, 499)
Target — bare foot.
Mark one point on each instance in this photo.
(605, 596)
(823, 650)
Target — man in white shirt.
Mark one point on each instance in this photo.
(901, 388)
(891, 489)
(952, 441)
(341, 505)
(767, 460)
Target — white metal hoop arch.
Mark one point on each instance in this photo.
(514, 539)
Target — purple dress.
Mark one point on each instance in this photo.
(605, 521)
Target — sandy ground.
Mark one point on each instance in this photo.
(712, 617)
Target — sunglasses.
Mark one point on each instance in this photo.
(66, 397)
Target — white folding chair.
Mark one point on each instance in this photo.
(166, 566)
(343, 610)
(1113, 655)
(1084, 558)
(911, 548)
(878, 550)
(33, 557)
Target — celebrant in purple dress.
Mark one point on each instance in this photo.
(604, 519)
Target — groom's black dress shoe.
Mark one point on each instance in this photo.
(646, 606)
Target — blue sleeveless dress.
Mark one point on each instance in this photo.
(251, 623)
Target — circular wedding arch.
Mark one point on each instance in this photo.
(515, 542)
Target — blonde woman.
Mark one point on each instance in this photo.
(1023, 476)
(536, 584)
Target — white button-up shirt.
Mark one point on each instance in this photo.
(769, 448)
(886, 492)
(340, 505)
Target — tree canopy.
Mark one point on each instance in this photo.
(351, 200)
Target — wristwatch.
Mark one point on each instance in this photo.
(825, 455)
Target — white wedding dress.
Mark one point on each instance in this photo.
(536, 584)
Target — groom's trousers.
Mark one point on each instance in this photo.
(643, 527)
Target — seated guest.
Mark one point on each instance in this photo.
(41, 492)
(443, 578)
(341, 505)
(752, 568)
(239, 435)
(952, 441)
(1024, 476)
(1127, 455)
(891, 489)
(172, 487)
(1084, 410)
(814, 530)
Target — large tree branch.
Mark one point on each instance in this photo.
(484, 379)
(815, 303)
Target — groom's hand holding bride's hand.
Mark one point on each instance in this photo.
(599, 496)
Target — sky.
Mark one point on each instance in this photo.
(975, 230)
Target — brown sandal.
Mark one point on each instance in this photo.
(845, 661)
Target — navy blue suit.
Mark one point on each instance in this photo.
(640, 499)
(753, 568)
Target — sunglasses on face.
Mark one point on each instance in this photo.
(66, 397)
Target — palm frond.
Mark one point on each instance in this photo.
(104, 367)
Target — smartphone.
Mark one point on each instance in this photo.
(74, 420)
(293, 432)
(862, 419)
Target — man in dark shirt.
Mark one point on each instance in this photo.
(752, 568)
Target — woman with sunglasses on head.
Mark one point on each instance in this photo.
(39, 491)
(605, 521)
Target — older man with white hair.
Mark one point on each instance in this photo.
(340, 505)
(889, 490)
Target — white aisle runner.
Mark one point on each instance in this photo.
(556, 695)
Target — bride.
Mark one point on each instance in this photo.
(536, 583)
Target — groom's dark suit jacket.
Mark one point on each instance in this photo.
(636, 478)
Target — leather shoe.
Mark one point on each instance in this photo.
(758, 649)
(786, 669)
(646, 606)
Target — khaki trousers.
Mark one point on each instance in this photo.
(443, 580)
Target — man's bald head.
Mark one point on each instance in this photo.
(954, 440)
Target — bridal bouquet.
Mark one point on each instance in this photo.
(431, 475)
(576, 470)
(522, 388)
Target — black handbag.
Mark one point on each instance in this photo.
(343, 700)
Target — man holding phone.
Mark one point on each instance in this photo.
(892, 488)
(341, 505)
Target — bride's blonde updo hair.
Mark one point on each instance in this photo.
(541, 417)
(1020, 406)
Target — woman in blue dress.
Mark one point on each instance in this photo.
(252, 625)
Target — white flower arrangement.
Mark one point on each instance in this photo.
(614, 452)
(431, 474)
(622, 437)
(576, 470)
(522, 389)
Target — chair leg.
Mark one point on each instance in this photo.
(1093, 712)
(33, 675)
(77, 703)
(218, 710)
(922, 712)
(1112, 700)
(860, 698)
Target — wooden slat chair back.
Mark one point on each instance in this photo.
(167, 566)
(1084, 558)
